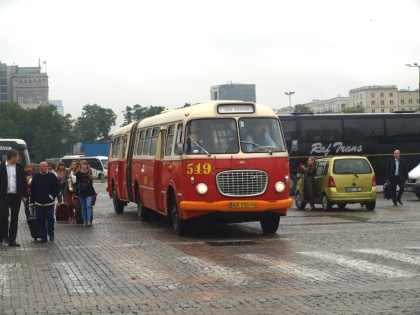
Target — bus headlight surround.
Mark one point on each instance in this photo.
(279, 187)
(201, 189)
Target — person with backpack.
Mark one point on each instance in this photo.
(85, 191)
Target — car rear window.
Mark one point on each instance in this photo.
(351, 166)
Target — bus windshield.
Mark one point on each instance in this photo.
(220, 135)
(105, 163)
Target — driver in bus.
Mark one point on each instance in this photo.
(195, 143)
(258, 135)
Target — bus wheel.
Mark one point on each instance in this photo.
(143, 212)
(293, 182)
(370, 205)
(300, 204)
(118, 204)
(270, 224)
(326, 204)
(418, 195)
(180, 226)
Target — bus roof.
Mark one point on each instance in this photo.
(18, 141)
(203, 109)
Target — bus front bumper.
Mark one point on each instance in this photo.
(279, 206)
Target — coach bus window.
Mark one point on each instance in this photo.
(154, 140)
(169, 140)
(356, 129)
(260, 135)
(147, 141)
(321, 130)
(402, 128)
(140, 142)
(289, 129)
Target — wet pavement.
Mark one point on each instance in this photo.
(350, 261)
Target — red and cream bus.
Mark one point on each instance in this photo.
(201, 161)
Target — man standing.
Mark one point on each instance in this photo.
(45, 188)
(397, 174)
(13, 190)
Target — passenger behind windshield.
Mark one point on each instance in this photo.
(258, 135)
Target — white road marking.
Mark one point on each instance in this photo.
(359, 264)
(415, 260)
(290, 268)
(229, 274)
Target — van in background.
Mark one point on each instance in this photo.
(98, 164)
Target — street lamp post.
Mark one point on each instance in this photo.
(418, 66)
(290, 100)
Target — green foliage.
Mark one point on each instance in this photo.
(138, 112)
(94, 123)
(43, 129)
(300, 108)
(353, 110)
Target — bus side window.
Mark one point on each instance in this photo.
(154, 140)
(147, 141)
(179, 135)
(142, 135)
(169, 140)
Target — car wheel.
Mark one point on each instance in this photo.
(300, 204)
(180, 226)
(342, 205)
(326, 204)
(118, 204)
(418, 195)
(270, 224)
(143, 212)
(293, 183)
(370, 205)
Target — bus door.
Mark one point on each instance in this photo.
(148, 168)
(121, 170)
(160, 195)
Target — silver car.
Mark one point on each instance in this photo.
(413, 184)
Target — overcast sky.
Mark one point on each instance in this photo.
(167, 53)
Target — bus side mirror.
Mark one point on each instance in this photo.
(294, 145)
(178, 149)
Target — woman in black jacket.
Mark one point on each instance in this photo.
(85, 191)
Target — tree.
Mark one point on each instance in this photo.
(300, 108)
(353, 110)
(94, 123)
(8, 129)
(138, 112)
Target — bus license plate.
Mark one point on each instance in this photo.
(242, 205)
(354, 189)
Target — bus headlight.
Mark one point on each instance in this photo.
(279, 187)
(201, 189)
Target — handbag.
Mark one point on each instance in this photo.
(76, 200)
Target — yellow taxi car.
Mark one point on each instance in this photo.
(340, 180)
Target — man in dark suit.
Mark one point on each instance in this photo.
(397, 174)
(13, 190)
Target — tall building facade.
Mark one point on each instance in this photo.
(26, 86)
(233, 91)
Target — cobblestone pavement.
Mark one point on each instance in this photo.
(350, 261)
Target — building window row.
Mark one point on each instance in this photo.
(30, 82)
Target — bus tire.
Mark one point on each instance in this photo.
(181, 227)
(326, 204)
(300, 204)
(418, 195)
(143, 212)
(293, 183)
(370, 205)
(118, 204)
(270, 224)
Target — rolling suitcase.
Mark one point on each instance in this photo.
(33, 225)
(61, 212)
(78, 215)
(387, 191)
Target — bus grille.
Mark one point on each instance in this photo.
(246, 183)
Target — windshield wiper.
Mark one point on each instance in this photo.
(258, 146)
(205, 151)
